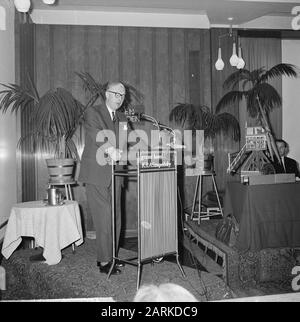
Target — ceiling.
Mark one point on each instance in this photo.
(217, 11)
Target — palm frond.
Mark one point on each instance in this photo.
(229, 98)
(15, 98)
(268, 96)
(71, 149)
(183, 113)
(252, 104)
(39, 142)
(279, 70)
(90, 84)
(226, 123)
(256, 74)
(133, 93)
(33, 92)
(233, 79)
(201, 118)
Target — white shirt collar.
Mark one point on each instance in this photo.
(110, 111)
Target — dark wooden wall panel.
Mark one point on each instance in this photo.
(111, 52)
(193, 56)
(24, 61)
(42, 59)
(60, 57)
(44, 65)
(76, 58)
(162, 76)
(205, 68)
(94, 52)
(145, 73)
(178, 66)
(128, 59)
(194, 77)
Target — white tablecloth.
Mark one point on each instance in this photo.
(52, 227)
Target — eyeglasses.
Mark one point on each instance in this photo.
(117, 95)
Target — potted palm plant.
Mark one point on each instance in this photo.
(261, 97)
(55, 117)
(191, 117)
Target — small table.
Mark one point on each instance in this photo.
(52, 227)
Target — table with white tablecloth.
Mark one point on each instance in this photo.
(53, 228)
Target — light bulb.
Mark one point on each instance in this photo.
(234, 58)
(241, 62)
(22, 5)
(219, 63)
(49, 1)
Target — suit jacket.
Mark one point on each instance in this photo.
(97, 118)
(291, 166)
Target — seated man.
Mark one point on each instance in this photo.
(287, 165)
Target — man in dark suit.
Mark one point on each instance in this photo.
(287, 165)
(102, 124)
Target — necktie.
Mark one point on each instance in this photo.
(282, 160)
(114, 117)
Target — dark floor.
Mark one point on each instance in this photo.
(87, 275)
(185, 257)
(77, 276)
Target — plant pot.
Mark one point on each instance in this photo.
(60, 170)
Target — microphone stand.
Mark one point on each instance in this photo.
(136, 117)
(159, 126)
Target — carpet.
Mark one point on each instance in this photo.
(77, 276)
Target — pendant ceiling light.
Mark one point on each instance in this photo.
(235, 60)
(241, 63)
(219, 63)
(24, 5)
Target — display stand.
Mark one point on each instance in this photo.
(209, 211)
(156, 173)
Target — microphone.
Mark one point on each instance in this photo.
(133, 117)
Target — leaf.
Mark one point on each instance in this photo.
(268, 96)
(278, 71)
(15, 98)
(183, 114)
(229, 98)
(201, 118)
(233, 79)
(252, 104)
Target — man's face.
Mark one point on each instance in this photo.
(281, 148)
(115, 96)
